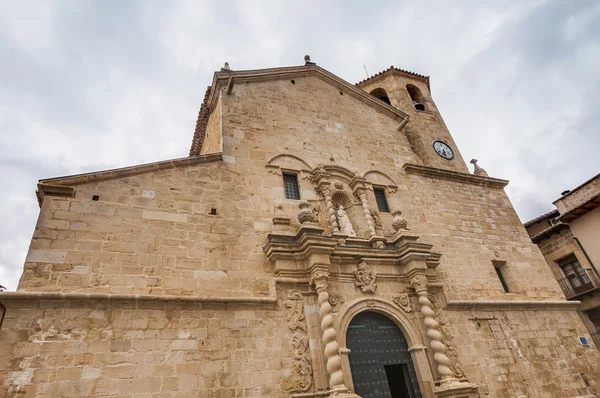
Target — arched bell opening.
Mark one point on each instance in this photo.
(417, 97)
(380, 361)
(382, 95)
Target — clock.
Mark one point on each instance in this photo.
(443, 149)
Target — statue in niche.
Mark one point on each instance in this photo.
(344, 223)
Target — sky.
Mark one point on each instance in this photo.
(92, 85)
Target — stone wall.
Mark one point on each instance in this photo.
(524, 353)
(213, 138)
(158, 349)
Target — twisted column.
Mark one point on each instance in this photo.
(334, 361)
(433, 332)
(370, 222)
(330, 210)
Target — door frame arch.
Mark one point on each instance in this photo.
(413, 338)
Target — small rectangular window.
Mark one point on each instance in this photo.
(290, 184)
(381, 200)
(502, 281)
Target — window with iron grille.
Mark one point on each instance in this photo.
(290, 184)
(381, 200)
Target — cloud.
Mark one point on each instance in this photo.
(94, 85)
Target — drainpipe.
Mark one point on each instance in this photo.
(586, 255)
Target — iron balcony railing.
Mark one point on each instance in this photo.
(576, 284)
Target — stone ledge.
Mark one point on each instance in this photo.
(16, 299)
(129, 171)
(454, 176)
(516, 305)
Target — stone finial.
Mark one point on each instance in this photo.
(307, 60)
(399, 222)
(305, 215)
(478, 170)
(226, 68)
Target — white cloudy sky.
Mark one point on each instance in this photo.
(90, 85)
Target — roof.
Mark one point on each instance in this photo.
(424, 78)
(223, 78)
(548, 231)
(573, 214)
(577, 187)
(552, 213)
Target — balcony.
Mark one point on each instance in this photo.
(580, 283)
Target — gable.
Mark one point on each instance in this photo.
(225, 82)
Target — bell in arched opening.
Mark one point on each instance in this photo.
(418, 106)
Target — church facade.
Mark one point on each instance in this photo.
(321, 239)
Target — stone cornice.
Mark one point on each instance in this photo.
(454, 176)
(131, 170)
(221, 80)
(516, 305)
(29, 299)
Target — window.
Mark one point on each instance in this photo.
(574, 272)
(290, 184)
(381, 200)
(501, 277)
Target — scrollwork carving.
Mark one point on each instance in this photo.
(402, 301)
(365, 278)
(336, 300)
(295, 311)
(301, 380)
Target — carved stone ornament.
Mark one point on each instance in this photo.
(402, 301)
(301, 380)
(377, 220)
(399, 222)
(295, 311)
(336, 300)
(478, 170)
(305, 215)
(418, 283)
(319, 279)
(365, 278)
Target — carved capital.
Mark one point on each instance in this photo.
(320, 280)
(419, 283)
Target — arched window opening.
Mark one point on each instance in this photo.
(382, 95)
(417, 97)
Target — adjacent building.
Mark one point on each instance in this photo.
(569, 238)
(322, 239)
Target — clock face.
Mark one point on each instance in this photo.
(443, 150)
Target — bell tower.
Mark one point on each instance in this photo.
(426, 131)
